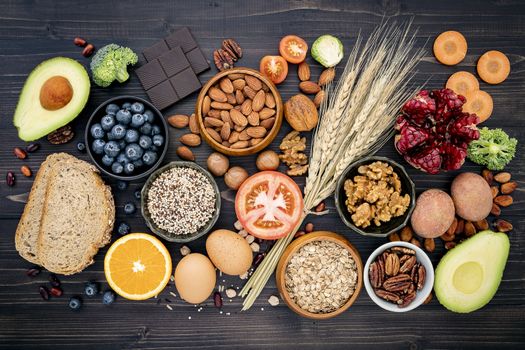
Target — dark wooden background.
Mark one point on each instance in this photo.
(33, 31)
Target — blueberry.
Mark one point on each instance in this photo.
(81, 147)
(138, 163)
(108, 298)
(118, 132)
(137, 194)
(158, 140)
(146, 129)
(149, 116)
(91, 288)
(149, 158)
(123, 229)
(107, 160)
(122, 185)
(112, 149)
(107, 122)
(117, 168)
(154, 149)
(96, 131)
(129, 168)
(126, 105)
(123, 116)
(133, 151)
(132, 135)
(122, 158)
(112, 109)
(122, 144)
(137, 120)
(129, 208)
(75, 303)
(155, 130)
(145, 142)
(98, 146)
(137, 107)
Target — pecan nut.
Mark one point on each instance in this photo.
(388, 296)
(61, 135)
(408, 264)
(222, 59)
(407, 299)
(397, 283)
(403, 250)
(421, 276)
(233, 48)
(392, 264)
(376, 277)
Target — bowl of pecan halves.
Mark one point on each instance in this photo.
(398, 276)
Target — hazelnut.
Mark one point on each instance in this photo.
(267, 160)
(235, 177)
(218, 164)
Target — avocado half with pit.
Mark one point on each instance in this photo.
(54, 94)
(468, 276)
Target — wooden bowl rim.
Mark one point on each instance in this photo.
(267, 139)
(293, 248)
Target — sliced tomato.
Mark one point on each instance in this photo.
(293, 49)
(269, 205)
(275, 68)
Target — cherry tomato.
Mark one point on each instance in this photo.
(275, 68)
(269, 205)
(293, 49)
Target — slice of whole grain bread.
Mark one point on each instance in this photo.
(77, 217)
(26, 237)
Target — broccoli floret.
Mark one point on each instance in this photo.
(494, 149)
(110, 63)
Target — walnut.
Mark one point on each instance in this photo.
(297, 170)
(375, 195)
(292, 147)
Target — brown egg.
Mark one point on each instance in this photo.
(229, 251)
(195, 278)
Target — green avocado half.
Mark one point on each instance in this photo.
(468, 276)
(54, 94)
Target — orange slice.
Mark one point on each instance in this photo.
(450, 47)
(462, 83)
(493, 67)
(137, 266)
(479, 102)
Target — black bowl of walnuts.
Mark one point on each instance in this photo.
(127, 137)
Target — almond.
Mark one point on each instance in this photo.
(191, 140)
(249, 92)
(234, 137)
(235, 76)
(258, 101)
(496, 210)
(268, 123)
(270, 100)
(254, 142)
(221, 105)
(243, 136)
(487, 175)
(226, 85)
(214, 113)
(185, 153)
(503, 225)
(225, 131)
(494, 190)
(326, 77)
(238, 118)
(303, 71)
(239, 84)
(253, 82)
(253, 119)
(238, 128)
(309, 87)
(509, 187)
(470, 229)
(194, 126)
(502, 177)
(239, 97)
(217, 95)
(225, 117)
(503, 200)
(213, 122)
(178, 121)
(266, 113)
(481, 225)
(214, 134)
(226, 144)
(319, 97)
(256, 131)
(206, 105)
(246, 107)
(231, 99)
(240, 144)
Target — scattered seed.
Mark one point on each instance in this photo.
(169, 307)
(32, 147)
(231, 293)
(20, 153)
(26, 171)
(309, 227)
(238, 225)
(44, 292)
(10, 179)
(217, 299)
(56, 291)
(243, 233)
(185, 250)
(88, 50)
(53, 279)
(34, 271)
(320, 207)
(258, 259)
(273, 300)
(255, 247)
(173, 294)
(250, 239)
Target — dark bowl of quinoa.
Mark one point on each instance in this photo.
(180, 202)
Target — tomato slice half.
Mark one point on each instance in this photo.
(293, 48)
(274, 67)
(269, 205)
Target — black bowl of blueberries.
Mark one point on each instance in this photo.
(127, 137)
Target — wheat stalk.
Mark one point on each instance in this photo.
(356, 120)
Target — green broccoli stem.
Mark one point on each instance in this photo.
(122, 74)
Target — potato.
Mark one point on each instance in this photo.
(433, 214)
(472, 196)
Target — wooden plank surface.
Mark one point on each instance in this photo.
(33, 31)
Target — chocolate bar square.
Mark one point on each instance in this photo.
(150, 74)
(162, 95)
(185, 82)
(183, 38)
(198, 62)
(156, 50)
(174, 61)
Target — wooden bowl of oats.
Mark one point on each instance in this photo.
(320, 275)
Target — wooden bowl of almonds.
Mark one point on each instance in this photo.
(320, 275)
(239, 112)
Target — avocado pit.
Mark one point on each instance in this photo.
(56, 93)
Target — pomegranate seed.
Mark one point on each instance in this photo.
(79, 41)
(217, 299)
(56, 291)
(88, 50)
(34, 271)
(258, 259)
(44, 292)
(10, 179)
(20, 153)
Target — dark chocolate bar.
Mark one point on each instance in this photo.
(174, 61)
(185, 82)
(162, 95)
(198, 62)
(182, 37)
(151, 74)
(155, 51)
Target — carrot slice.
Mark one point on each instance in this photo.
(450, 47)
(462, 83)
(479, 102)
(493, 67)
